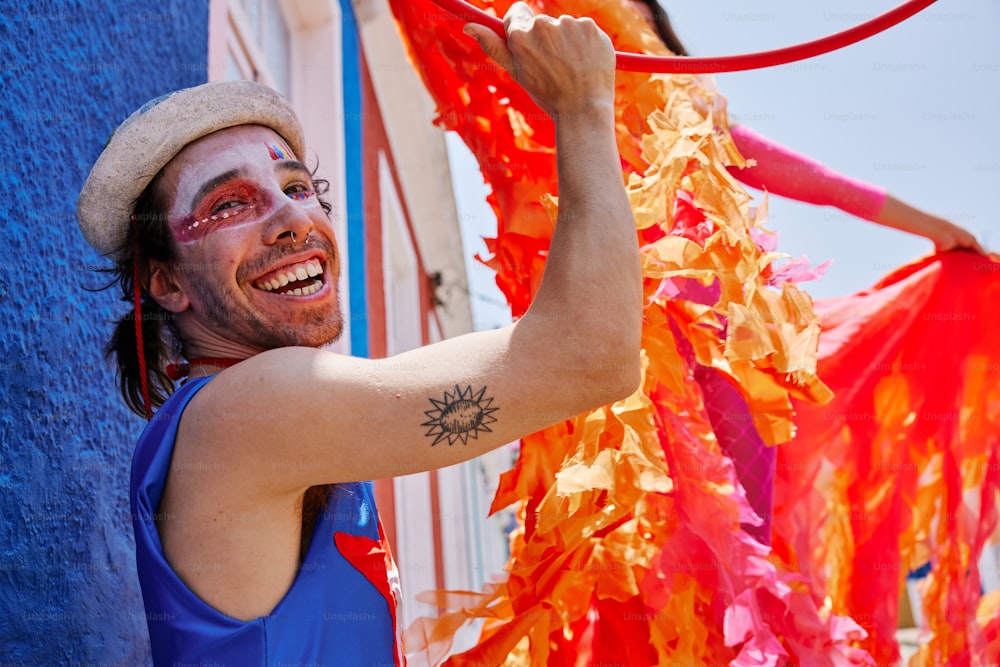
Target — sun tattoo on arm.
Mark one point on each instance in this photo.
(460, 415)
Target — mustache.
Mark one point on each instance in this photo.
(276, 255)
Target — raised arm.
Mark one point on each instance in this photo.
(784, 172)
(296, 417)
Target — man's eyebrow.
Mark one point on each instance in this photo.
(295, 166)
(213, 183)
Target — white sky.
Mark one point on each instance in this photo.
(913, 109)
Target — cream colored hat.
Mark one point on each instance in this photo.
(153, 135)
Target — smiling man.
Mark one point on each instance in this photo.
(245, 212)
(257, 537)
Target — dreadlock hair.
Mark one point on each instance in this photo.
(663, 28)
(148, 238)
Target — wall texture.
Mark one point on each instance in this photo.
(69, 72)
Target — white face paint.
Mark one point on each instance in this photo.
(244, 195)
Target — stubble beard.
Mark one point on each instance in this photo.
(236, 319)
(242, 325)
(231, 313)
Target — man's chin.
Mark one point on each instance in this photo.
(321, 336)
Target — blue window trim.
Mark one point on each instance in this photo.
(358, 290)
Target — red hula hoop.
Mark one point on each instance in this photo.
(636, 62)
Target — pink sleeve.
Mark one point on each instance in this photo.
(784, 172)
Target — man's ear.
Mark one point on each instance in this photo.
(164, 289)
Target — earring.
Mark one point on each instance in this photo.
(293, 237)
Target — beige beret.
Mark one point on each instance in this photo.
(153, 135)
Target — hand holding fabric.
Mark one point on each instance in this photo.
(944, 234)
(566, 64)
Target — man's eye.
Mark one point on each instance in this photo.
(226, 205)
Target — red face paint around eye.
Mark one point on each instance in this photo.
(232, 204)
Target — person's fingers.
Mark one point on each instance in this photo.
(562, 63)
(968, 240)
(492, 45)
(518, 17)
(949, 236)
(970, 243)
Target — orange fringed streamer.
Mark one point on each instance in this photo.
(901, 468)
(631, 548)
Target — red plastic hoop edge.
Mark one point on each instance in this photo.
(635, 62)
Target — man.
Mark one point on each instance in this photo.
(231, 246)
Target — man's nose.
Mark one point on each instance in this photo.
(288, 223)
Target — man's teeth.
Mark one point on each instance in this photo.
(311, 288)
(299, 272)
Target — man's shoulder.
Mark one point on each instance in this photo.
(172, 409)
(155, 445)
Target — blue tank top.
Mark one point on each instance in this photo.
(340, 609)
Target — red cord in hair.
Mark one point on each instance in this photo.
(140, 348)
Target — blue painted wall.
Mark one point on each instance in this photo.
(69, 72)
